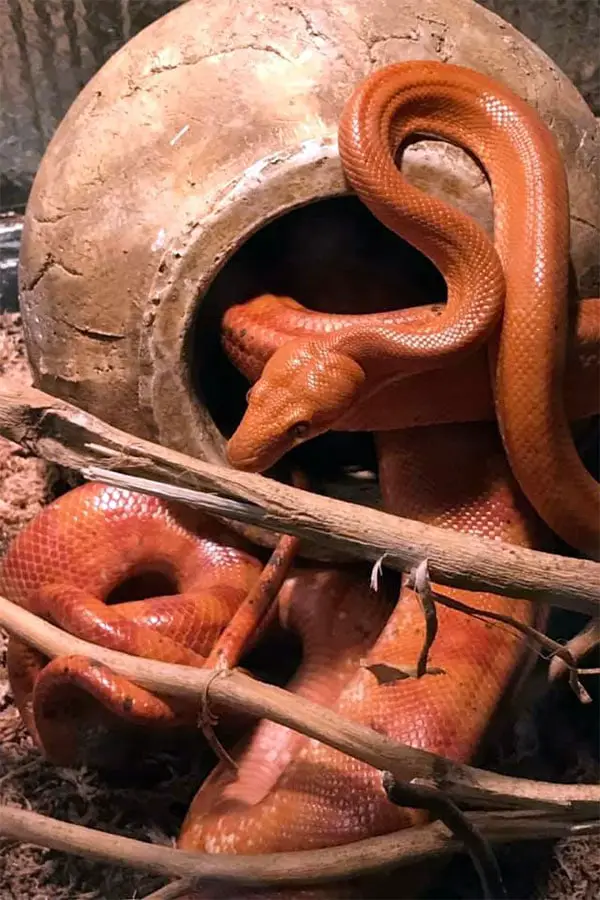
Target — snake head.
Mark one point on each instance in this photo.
(304, 390)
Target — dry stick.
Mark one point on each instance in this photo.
(421, 796)
(173, 890)
(70, 437)
(300, 867)
(255, 610)
(20, 770)
(586, 640)
(464, 784)
(578, 647)
(234, 509)
(247, 512)
(420, 580)
(251, 617)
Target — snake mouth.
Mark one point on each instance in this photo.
(256, 462)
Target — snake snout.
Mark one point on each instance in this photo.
(253, 447)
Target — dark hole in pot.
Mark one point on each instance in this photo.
(333, 256)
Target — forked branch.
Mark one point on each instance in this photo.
(563, 656)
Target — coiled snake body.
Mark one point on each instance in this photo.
(316, 372)
(506, 322)
(66, 564)
(309, 385)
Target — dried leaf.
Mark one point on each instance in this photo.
(386, 674)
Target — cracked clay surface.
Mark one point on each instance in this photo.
(186, 108)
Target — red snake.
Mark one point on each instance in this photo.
(67, 563)
(292, 793)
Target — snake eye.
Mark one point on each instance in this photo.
(299, 430)
(249, 394)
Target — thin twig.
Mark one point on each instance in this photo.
(206, 723)
(419, 580)
(245, 627)
(300, 867)
(422, 583)
(422, 796)
(256, 611)
(20, 770)
(70, 437)
(235, 690)
(574, 650)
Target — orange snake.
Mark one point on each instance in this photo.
(316, 372)
(309, 385)
(291, 793)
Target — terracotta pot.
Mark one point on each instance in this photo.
(213, 122)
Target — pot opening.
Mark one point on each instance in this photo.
(332, 256)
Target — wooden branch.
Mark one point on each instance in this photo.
(404, 848)
(421, 796)
(70, 437)
(579, 646)
(173, 890)
(419, 579)
(584, 641)
(464, 784)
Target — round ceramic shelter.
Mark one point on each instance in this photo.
(199, 167)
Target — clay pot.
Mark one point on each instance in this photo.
(210, 124)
